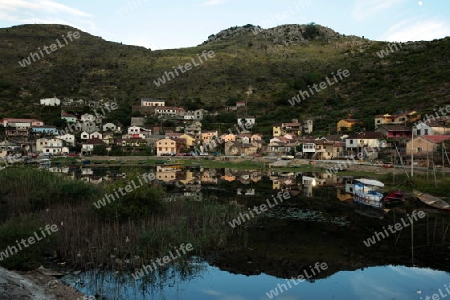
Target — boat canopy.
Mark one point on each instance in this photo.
(370, 182)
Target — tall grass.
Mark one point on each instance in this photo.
(87, 238)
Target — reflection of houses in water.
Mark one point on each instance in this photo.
(283, 183)
(229, 178)
(62, 170)
(165, 174)
(187, 176)
(208, 176)
(308, 182)
(196, 196)
(246, 192)
(245, 177)
(325, 179)
(256, 176)
(87, 172)
(93, 179)
(345, 183)
(343, 196)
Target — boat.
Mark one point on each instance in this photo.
(394, 197)
(368, 192)
(431, 200)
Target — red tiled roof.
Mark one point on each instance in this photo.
(169, 107)
(19, 120)
(436, 139)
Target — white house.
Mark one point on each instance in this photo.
(95, 135)
(54, 146)
(440, 126)
(68, 138)
(50, 102)
(169, 111)
(309, 148)
(152, 102)
(87, 118)
(84, 135)
(364, 140)
(136, 132)
(110, 127)
(308, 126)
(248, 122)
(88, 146)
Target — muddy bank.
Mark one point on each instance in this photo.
(34, 285)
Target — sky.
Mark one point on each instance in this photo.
(170, 24)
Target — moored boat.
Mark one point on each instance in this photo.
(368, 192)
(431, 200)
(394, 197)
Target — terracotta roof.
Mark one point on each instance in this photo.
(436, 139)
(169, 107)
(19, 120)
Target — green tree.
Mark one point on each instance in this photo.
(100, 150)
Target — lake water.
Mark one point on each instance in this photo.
(316, 225)
(375, 283)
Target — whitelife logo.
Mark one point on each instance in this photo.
(168, 76)
(131, 186)
(35, 56)
(300, 278)
(165, 260)
(323, 85)
(390, 49)
(31, 240)
(398, 227)
(238, 221)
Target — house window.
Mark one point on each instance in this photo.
(351, 142)
(419, 149)
(426, 131)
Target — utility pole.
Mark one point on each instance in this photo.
(412, 152)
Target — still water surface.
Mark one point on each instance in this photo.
(315, 225)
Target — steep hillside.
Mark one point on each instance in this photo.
(273, 64)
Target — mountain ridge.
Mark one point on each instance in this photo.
(275, 64)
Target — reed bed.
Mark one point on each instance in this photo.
(87, 238)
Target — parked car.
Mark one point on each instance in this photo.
(73, 154)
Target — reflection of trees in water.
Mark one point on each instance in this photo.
(111, 285)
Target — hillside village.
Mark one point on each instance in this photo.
(89, 134)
